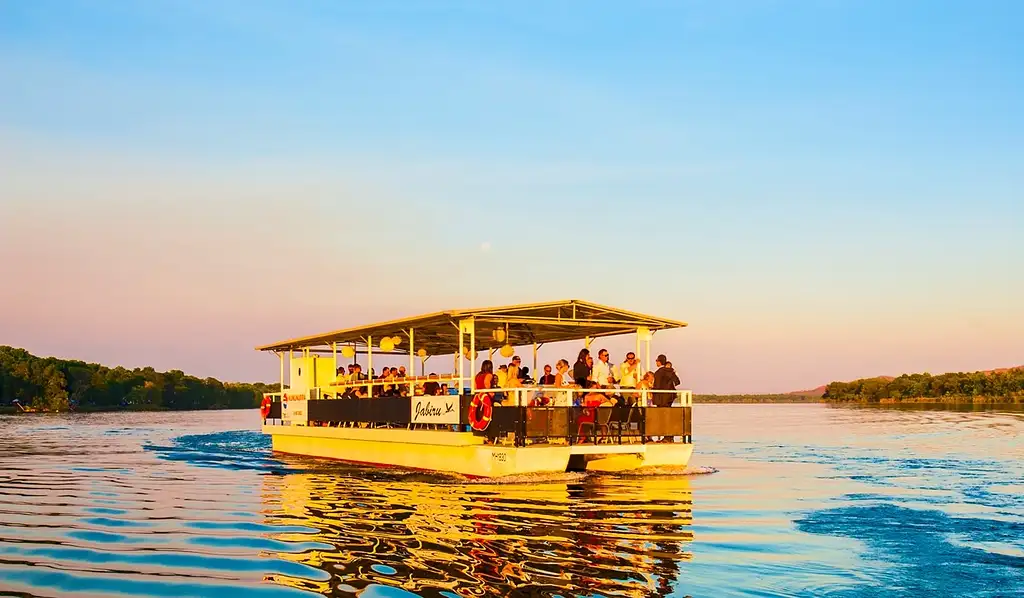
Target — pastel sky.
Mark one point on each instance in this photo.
(824, 189)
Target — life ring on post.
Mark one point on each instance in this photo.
(265, 406)
(480, 410)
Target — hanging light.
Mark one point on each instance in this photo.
(386, 344)
(507, 351)
(422, 352)
(348, 351)
(396, 340)
(498, 335)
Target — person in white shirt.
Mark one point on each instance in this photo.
(630, 372)
(603, 372)
(563, 379)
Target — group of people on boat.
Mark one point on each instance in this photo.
(604, 380)
(392, 382)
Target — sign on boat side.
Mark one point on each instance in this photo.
(434, 410)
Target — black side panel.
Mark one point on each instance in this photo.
(393, 410)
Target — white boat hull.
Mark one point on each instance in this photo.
(467, 454)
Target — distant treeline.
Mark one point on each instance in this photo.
(761, 398)
(1005, 386)
(51, 384)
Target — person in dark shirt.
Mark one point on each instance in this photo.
(665, 378)
(431, 388)
(582, 368)
(548, 378)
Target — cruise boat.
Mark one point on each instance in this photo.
(518, 428)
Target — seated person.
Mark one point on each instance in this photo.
(548, 379)
(646, 383)
(356, 392)
(431, 388)
(539, 401)
(513, 377)
(594, 398)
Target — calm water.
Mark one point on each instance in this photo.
(808, 501)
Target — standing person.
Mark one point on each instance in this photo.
(564, 376)
(602, 373)
(665, 378)
(630, 375)
(485, 377)
(630, 372)
(582, 368)
(563, 379)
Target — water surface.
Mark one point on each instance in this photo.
(808, 501)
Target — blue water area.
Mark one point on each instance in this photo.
(805, 501)
(921, 559)
(98, 537)
(236, 449)
(105, 510)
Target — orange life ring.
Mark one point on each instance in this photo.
(265, 406)
(480, 410)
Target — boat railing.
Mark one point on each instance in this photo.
(521, 415)
(341, 387)
(542, 414)
(521, 394)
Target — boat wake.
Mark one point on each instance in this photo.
(666, 470)
(577, 476)
(528, 478)
(236, 449)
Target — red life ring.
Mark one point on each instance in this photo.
(480, 411)
(265, 406)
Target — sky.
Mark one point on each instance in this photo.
(824, 190)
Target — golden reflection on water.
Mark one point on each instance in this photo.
(603, 536)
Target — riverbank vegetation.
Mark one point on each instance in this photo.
(51, 384)
(997, 386)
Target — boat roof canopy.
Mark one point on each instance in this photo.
(438, 333)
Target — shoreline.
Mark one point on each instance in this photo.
(9, 410)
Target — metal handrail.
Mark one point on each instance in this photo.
(683, 396)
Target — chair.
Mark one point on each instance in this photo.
(596, 418)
